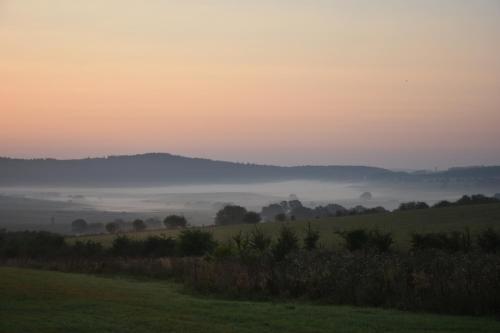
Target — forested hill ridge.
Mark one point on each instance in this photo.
(164, 169)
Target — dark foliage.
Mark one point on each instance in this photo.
(139, 225)
(413, 205)
(280, 217)
(286, 243)
(112, 227)
(451, 242)
(251, 218)
(311, 238)
(31, 244)
(230, 214)
(175, 221)
(489, 241)
(79, 226)
(195, 243)
(364, 240)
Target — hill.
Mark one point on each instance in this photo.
(163, 169)
(43, 301)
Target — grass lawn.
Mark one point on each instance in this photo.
(43, 301)
(401, 224)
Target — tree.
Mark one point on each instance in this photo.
(79, 226)
(175, 221)
(230, 214)
(112, 227)
(280, 217)
(366, 196)
(251, 218)
(139, 225)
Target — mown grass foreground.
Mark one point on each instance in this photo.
(400, 223)
(43, 301)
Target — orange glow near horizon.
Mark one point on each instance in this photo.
(300, 82)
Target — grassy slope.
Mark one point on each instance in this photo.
(42, 301)
(401, 224)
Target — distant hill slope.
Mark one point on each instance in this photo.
(163, 169)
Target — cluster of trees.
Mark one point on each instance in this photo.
(294, 209)
(233, 214)
(80, 226)
(475, 199)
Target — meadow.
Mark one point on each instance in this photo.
(400, 223)
(44, 301)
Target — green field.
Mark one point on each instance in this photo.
(401, 224)
(43, 301)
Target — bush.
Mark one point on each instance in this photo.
(286, 243)
(125, 247)
(139, 225)
(489, 241)
(156, 247)
(175, 221)
(87, 249)
(360, 239)
(311, 238)
(450, 242)
(195, 243)
(31, 244)
(355, 240)
(259, 241)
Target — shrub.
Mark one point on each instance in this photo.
(360, 239)
(31, 244)
(286, 243)
(380, 242)
(156, 247)
(175, 221)
(311, 238)
(139, 225)
(195, 243)
(87, 249)
(489, 241)
(355, 239)
(450, 242)
(259, 241)
(125, 247)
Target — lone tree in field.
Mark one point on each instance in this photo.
(112, 227)
(175, 221)
(79, 226)
(139, 225)
(230, 214)
(251, 218)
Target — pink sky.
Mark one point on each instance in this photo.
(303, 82)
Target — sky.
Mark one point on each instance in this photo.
(398, 84)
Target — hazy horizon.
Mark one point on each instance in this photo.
(398, 85)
